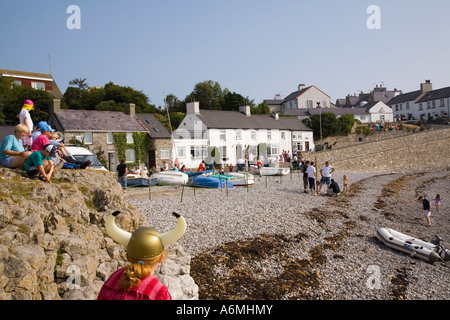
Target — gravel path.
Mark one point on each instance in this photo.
(275, 242)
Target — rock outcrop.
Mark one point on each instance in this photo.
(53, 243)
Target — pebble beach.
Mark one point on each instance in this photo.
(273, 241)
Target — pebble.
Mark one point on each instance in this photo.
(218, 216)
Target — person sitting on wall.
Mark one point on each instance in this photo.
(39, 164)
(12, 152)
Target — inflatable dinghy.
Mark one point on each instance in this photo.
(430, 252)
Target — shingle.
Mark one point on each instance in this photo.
(97, 121)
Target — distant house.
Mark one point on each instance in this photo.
(33, 80)
(96, 130)
(379, 93)
(423, 104)
(305, 98)
(237, 134)
(369, 112)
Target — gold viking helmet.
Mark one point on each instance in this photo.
(144, 243)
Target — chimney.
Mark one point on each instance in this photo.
(276, 116)
(193, 107)
(55, 106)
(427, 86)
(130, 109)
(301, 86)
(245, 110)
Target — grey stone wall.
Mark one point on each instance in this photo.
(423, 151)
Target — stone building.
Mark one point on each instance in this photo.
(95, 129)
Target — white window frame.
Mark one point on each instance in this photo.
(181, 152)
(165, 154)
(88, 138)
(130, 155)
(130, 138)
(109, 138)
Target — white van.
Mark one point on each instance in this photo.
(83, 154)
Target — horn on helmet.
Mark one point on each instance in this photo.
(117, 234)
(176, 233)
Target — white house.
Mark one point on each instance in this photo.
(370, 112)
(305, 98)
(235, 135)
(423, 104)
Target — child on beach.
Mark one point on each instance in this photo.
(437, 202)
(426, 208)
(345, 183)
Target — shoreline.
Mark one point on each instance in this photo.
(344, 228)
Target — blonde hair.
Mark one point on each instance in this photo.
(139, 270)
(21, 128)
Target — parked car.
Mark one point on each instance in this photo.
(83, 154)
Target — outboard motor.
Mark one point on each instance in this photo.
(441, 251)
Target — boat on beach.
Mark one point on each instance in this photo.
(209, 182)
(193, 174)
(240, 179)
(274, 171)
(427, 251)
(136, 180)
(171, 178)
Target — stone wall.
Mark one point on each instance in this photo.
(423, 151)
(53, 243)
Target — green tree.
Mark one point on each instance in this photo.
(209, 94)
(345, 124)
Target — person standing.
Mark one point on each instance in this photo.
(25, 118)
(426, 208)
(122, 171)
(311, 170)
(325, 173)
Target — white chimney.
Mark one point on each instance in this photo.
(301, 86)
(245, 110)
(193, 107)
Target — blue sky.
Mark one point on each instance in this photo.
(257, 48)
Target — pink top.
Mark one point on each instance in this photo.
(149, 289)
(39, 143)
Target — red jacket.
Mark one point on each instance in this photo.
(149, 289)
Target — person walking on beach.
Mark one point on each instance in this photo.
(305, 165)
(437, 202)
(312, 178)
(426, 208)
(122, 171)
(345, 183)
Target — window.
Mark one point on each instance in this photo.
(198, 152)
(309, 104)
(223, 135)
(420, 107)
(283, 135)
(382, 117)
(269, 134)
(407, 105)
(253, 135)
(18, 82)
(181, 152)
(109, 138)
(131, 156)
(38, 85)
(165, 154)
(273, 150)
(223, 151)
(238, 135)
(130, 138)
(88, 138)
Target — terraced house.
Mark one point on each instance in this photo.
(145, 140)
(237, 134)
